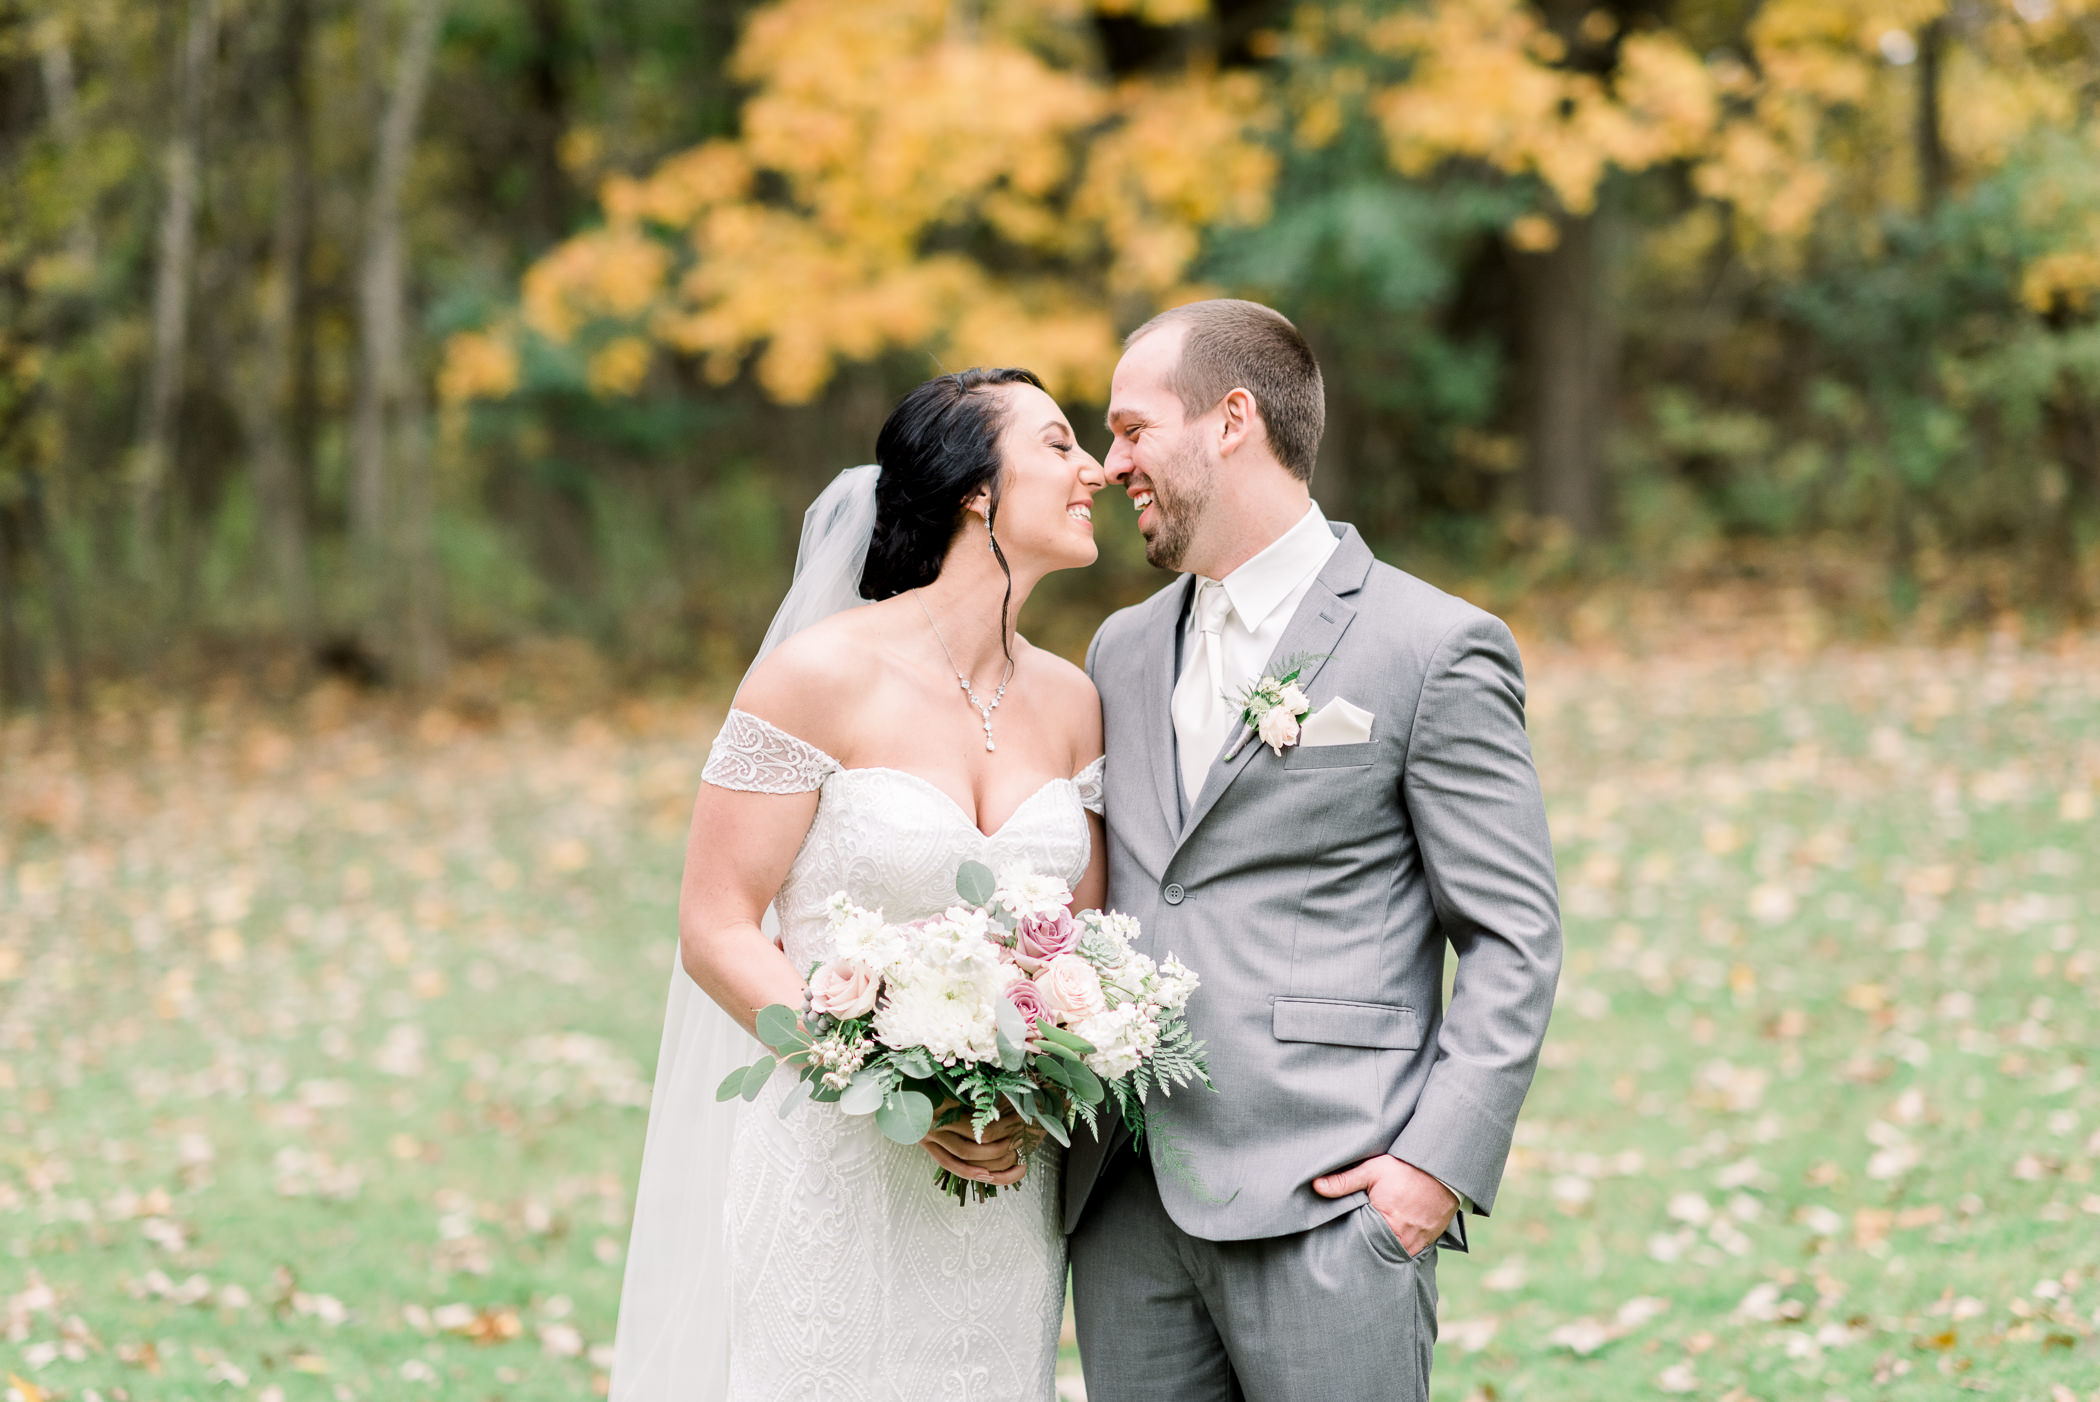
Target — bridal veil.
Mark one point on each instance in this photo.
(673, 1336)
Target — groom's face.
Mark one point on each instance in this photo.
(1158, 457)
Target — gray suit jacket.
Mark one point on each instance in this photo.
(1315, 893)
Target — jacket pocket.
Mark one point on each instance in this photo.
(1386, 1026)
(1330, 756)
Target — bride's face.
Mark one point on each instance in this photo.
(1046, 486)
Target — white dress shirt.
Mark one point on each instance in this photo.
(1263, 593)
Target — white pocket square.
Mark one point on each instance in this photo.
(1336, 723)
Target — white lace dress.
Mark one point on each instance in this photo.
(855, 1277)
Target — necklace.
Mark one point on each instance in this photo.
(984, 711)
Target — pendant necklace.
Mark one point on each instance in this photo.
(984, 710)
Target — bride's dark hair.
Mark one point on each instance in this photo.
(938, 446)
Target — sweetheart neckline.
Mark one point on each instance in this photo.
(959, 810)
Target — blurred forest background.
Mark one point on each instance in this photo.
(387, 332)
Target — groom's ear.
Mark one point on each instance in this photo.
(1240, 421)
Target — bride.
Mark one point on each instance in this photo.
(871, 749)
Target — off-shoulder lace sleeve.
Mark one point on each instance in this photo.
(1088, 782)
(755, 757)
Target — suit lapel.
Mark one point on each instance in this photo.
(1159, 704)
(1323, 615)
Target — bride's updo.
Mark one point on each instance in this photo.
(938, 446)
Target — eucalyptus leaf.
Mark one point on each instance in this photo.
(1065, 1039)
(1085, 1084)
(917, 1063)
(732, 1084)
(797, 1093)
(1055, 1130)
(905, 1117)
(1055, 1071)
(1011, 1057)
(756, 1076)
(975, 884)
(865, 1095)
(1012, 1025)
(780, 1028)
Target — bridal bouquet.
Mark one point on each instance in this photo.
(1004, 1001)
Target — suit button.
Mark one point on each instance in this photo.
(1174, 893)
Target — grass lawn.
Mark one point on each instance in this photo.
(325, 1038)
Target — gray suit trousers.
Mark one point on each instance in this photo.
(1337, 1313)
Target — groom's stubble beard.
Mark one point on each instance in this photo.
(1180, 497)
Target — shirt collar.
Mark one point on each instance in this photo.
(1262, 583)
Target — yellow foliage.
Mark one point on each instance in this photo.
(477, 365)
(890, 134)
(2071, 276)
(1485, 81)
(1180, 160)
(615, 272)
(617, 367)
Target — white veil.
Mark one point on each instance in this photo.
(672, 1343)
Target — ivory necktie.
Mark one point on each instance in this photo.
(1202, 712)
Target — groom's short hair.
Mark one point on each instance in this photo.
(1232, 345)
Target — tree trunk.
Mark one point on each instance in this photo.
(424, 613)
(546, 119)
(1930, 135)
(382, 280)
(171, 292)
(385, 403)
(62, 95)
(14, 664)
(1570, 347)
(274, 410)
(60, 602)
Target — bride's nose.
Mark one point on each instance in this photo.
(1092, 475)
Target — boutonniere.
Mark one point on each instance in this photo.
(1273, 706)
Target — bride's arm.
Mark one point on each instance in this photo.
(1084, 710)
(736, 855)
(1092, 891)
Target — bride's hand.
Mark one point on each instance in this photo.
(995, 1158)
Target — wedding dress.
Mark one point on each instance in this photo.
(807, 1257)
(852, 1275)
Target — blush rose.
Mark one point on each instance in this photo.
(1071, 988)
(1028, 1001)
(1279, 728)
(843, 988)
(1041, 938)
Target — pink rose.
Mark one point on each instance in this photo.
(1028, 1000)
(1042, 938)
(843, 988)
(1071, 988)
(1278, 728)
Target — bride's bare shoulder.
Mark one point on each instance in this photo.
(1072, 699)
(808, 686)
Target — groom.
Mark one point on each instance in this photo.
(1277, 1240)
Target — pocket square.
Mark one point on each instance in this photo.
(1336, 723)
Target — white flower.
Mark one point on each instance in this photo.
(1278, 728)
(1130, 978)
(1024, 893)
(1122, 1037)
(1176, 982)
(950, 1014)
(959, 939)
(861, 935)
(1293, 700)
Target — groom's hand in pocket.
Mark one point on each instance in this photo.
(1416, 1206)
(994, 1158)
